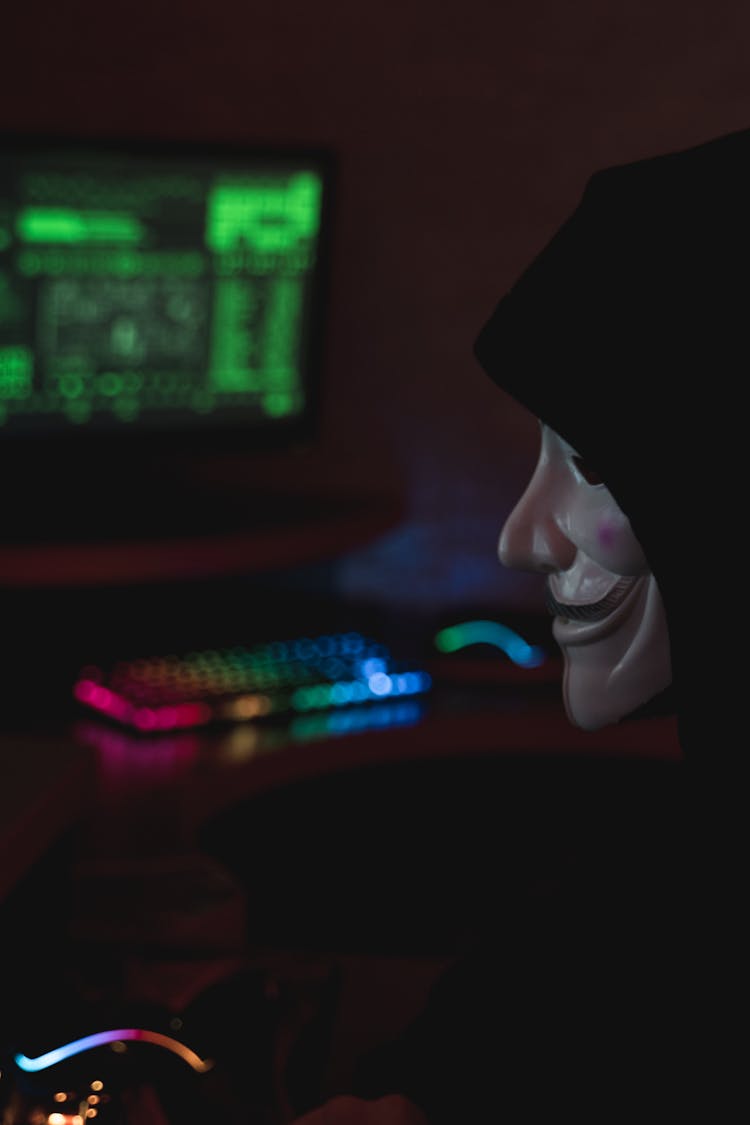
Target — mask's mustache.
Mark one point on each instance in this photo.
(592, 611)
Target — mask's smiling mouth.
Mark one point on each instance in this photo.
(590, 611)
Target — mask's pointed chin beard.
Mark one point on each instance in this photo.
(613, 667)
(577, 717)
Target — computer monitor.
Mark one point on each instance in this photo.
(157, 301)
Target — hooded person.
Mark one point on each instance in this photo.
(626, 337)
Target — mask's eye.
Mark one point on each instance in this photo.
(589, 475)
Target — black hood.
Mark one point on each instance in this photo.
(629, 335)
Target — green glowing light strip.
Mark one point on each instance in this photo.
(456, 637)
(62, 224)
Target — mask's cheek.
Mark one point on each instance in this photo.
(610, 542)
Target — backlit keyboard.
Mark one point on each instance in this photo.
(240, 684)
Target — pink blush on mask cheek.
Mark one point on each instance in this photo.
(607, 534)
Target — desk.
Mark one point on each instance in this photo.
(412, 806)
(180, 781)
(174, 784)
(145, 798)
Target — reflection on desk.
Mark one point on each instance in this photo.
(197, 773)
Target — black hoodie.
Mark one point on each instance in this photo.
(614, 1000)
(629, 336)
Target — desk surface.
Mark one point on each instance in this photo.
(164, 788)
(146, 793)
(142, 803)
(457, 802)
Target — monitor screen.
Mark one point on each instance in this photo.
(150, 289)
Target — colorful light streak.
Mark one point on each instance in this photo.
(456, 637)
(115, 706)
(120, 1035)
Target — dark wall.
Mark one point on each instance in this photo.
(466, 131)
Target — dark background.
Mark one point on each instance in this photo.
(465, 133)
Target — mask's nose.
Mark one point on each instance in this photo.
(531, 538)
